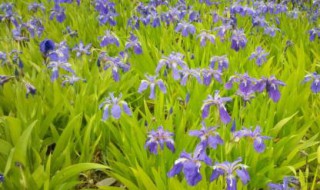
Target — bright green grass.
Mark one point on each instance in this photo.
(69, 118)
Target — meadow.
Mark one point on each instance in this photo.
(168, 95)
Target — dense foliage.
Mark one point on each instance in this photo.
(181, 94)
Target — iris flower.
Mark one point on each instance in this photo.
(135, 44)
(260, 55)
(174, 61)
(81, 49)
(315, 85)
(219, 102)
(109, 38)
(190, 164)
(229, 169)
(114, 103)
(222, 62)
(185, 28)
(271, 85)
(285, 185)
(255, 135)
(238, 40)
(152, 81)
(4, 79)
(208, 136)
(204, 37)
(158, 138)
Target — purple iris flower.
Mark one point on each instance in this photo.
(71, 79)
(260, 55)
(81, 49)
(258, 139)
(4, 79)
(134, 43)
(209, 137)
(219, 102)
(3, 58)
(159, 137)
(209, 73)
(271, 30)
(190, 164)
(222, 62)
(173, 61)
(114, 103)
(236, 8)
(34, 7)
(152, 81)
(286, 184)
(228, 169)
(17, 34)
(185, 28)
(55, 65)
(34, 26)
(115, 63)
(46, 46)
(246, 83)
(238, 40)
(261, 7)
(61, 52)
(8, 14)
(30, 88)
(204, 37)
(222, 30)
(259, 21)
(186, 73)
(315, 85)
(194, 16)
(58, 12)
(271, 85)
(313, 33)
(109, 38)
(107, 12)
(1, 178)
(249, 11)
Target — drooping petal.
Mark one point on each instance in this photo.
(116, 111)
(274, 93)
(162, 86)
(152, 91)
(126, 109)
(243, 175)
(231, 183)
(213, 141)
(105, 112)
(216, 173)
(224, 115)
(170, 145)
(175, 170)
(191, 172)
(143, 86)
(205, 111)
(259, 145)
